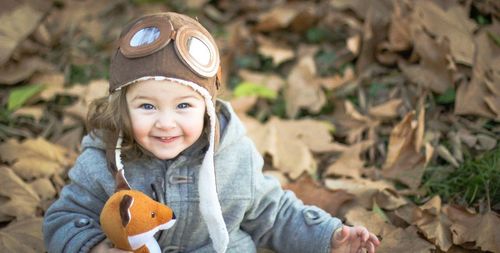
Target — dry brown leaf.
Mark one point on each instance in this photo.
(34, 111)
(338, 81)
(303, 89)
(399, 36)
(352, 124)
(271, 81)
(453, 24)
(244, 104)
(289, 154)
(277, 52)
(403, 162)
(23, 236)
(389, 199)
(363, 189)
(18, 200)
(386, 110)
(476, 97)
(404, 240)
(290, 142)
(19, 19)
(14, 72)
(483, 229)
(279, 17)
(86, 94)
(432, 71)
(35, 158)
(44, 188)
(311, 193)
(53, 82)
(359, 216)
(71, 139)
(349, 163)
(434, 224)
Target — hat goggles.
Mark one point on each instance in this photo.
(195, 49)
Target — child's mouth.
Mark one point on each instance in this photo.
(167, 139)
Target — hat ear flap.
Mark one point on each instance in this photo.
(125, 205)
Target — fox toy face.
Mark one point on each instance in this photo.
(130, 219)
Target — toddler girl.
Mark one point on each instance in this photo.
(182, 146)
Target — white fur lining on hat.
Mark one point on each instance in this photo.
(209, 202)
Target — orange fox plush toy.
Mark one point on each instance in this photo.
(130, 218)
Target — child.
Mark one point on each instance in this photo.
(192, 149)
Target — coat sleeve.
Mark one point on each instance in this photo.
(278, 220)
(71, 223)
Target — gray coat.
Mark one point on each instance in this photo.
(257, 212)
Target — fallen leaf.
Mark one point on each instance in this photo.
(44, 188)
(434, 224)
(19, 19)
(359, 216)
(86, 94)
(23, 236)
(277, 52)
(389, 199)
(311, 193)
(35, 158)
(15, 72)
(18, 200)
(35, 111)
(403, 162)
(352, 123)
(432, 72)
(278, 17)
(453, 24)
(53, 82)
(303, 91)
(386, 110)
(338, 81)
(483, 229)
(349, 163)
(272, 81)
(404, 240)
(364, 190)
(475, 97)
(290, 155)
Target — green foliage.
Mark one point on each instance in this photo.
(246, 89)
(19, 96)
(476, 179)
(85, 73)
(316, 34)
(448, 97)
(495, 38)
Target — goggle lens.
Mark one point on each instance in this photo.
(145, 36)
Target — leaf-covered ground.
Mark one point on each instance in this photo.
(384, 113)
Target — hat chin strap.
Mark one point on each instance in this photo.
(207, 188)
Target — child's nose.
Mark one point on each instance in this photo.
(165, 121)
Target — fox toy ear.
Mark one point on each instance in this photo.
(125, 205)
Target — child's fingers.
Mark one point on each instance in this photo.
(370, 247)
(363, 233)
(373, 238)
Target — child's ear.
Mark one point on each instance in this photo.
(125, 205)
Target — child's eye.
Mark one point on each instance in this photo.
(147, 106)
(183, 105)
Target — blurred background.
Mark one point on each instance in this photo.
(384, 113)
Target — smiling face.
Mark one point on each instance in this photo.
(166, 117)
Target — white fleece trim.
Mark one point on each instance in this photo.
(209, 202)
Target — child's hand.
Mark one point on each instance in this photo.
(353, 239)
(105, 247)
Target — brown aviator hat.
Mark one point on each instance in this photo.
(174, 47)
